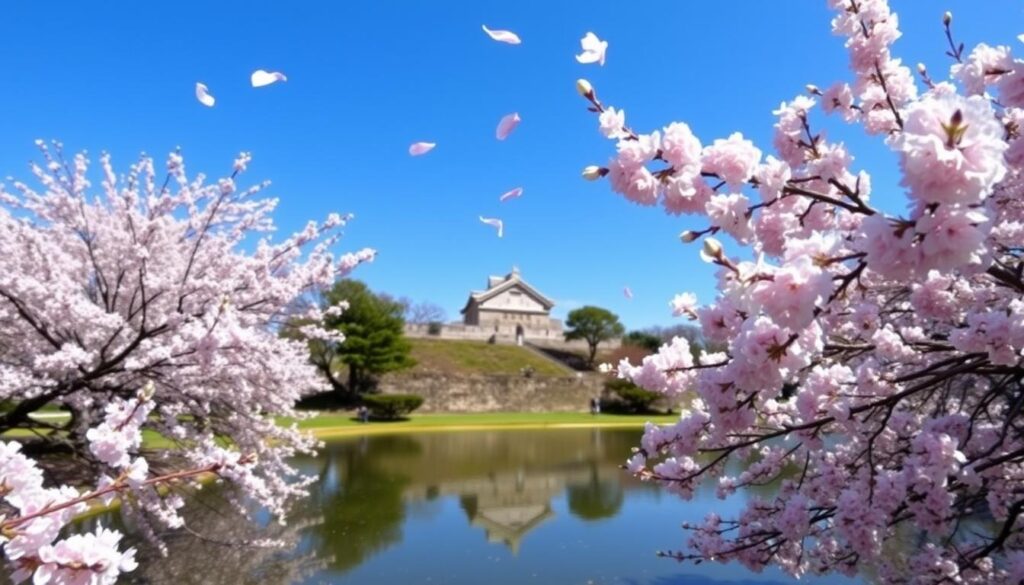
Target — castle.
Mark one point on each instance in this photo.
(509, 310)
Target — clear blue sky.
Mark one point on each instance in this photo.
(367, 79)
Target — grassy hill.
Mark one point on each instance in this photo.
(479, 357)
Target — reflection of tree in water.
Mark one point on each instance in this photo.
(596, 499)
(217, 548)
(361, 503)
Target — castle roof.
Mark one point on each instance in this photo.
(499, 284)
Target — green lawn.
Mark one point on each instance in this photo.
(337, 420)
(327, 424)
(479, 357)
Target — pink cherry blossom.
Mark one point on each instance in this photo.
(613, 123)
(680, 148)
(684, 304)
(636, 182)
(839, 98)
(686, 192)
(734, 159)
(984, 66)
(62, 561)
(866, 363)
(792, 293)
(729, 212)
(169, 350)
(951, 149)
(790, 135)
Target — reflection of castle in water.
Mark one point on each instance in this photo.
(509, 504)
(505, 482)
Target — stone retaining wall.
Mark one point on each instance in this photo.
(496, 393)
(504, 335)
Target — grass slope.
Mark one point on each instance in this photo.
(479, 357)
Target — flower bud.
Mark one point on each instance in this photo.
(688, 236)
(921, 69)
(712, 249)
(813, 89)
(147, 391)
(947, 18)
(594, 172)
(584, 88)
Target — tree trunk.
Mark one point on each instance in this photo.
(354, 380)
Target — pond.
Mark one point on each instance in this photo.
(497, 507)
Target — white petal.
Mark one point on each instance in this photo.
(627, 292)
(514, 193)
(494, 222)
(418, 148)
(260, 77)
(203, 95)
(594, 49)
(502, 36)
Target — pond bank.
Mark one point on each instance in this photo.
(336, 424)
(328, 425)
(339, 424)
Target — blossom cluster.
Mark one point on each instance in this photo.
(867, 365)
(31, 546)
(153, 305)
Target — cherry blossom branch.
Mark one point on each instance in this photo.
(117, 486)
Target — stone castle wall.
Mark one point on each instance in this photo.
(496, 393)
(505, 334)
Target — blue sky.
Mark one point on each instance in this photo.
(367, 79)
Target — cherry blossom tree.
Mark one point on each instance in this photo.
(872, 368)
(150, 306)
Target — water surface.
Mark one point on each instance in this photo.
(494, 507)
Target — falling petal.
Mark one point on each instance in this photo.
(260, 77)
(514, 193)
(497, 223)
(628, 293)
(421, 148)
(203, 95)
(502, 36)
(507, 124)
(593, 49)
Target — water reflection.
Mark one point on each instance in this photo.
(504, 483)
(497, 507)
(222, 545)
(361, 503)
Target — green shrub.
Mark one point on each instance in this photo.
(330, 400)
(392, 406)
(434, 328)
(628, 397)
